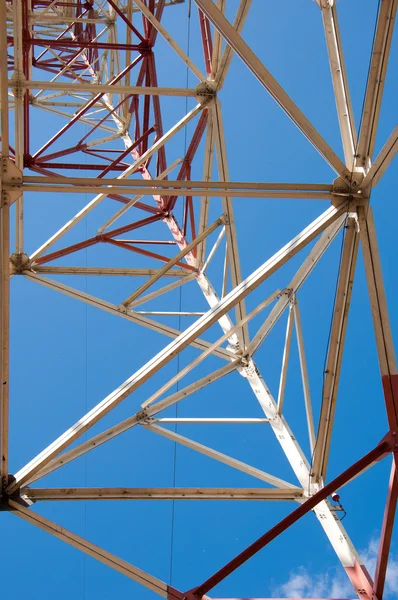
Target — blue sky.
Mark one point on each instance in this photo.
(67, 356)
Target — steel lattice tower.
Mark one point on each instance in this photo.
(88, 70)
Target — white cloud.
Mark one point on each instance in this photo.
(335, 584)
(302, 584)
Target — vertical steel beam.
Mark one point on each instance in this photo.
(375, 85)
(340, 82)
(378, 302)
(4, 254)
(231, 238)
(335, 352)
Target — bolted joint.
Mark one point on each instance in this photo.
(20, 263)
(142, 416)
(15, 496)
(18, 88)
(205, 91)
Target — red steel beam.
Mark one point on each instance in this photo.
(387, 445)
(192, 148)
(390, 387)
(126, 20)
(159, 12)
(206, 40)
(126, 152)
(87, 107)
(386, 534)
(147, 253)
(66, 44)
(96, 239)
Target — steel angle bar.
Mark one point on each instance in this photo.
(340, 82)
(59, 494)
(335, 351)
(226, 59)
(152, 583)
(108, 271)
(304, 376)
(376, 81)
(219, 456)
(231, 239)
(382, 162)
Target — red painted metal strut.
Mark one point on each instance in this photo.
(361, 577)
(386, 534)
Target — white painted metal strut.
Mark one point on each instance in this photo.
(340, 82)
(152, 583)
(375, 84)
(50, 494)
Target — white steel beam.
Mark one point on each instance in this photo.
(162, 290)
(159, 27)
(173, 261)
(46, 494)
(304, 376)
(4, 253)
(217, 45)
(217, 188)
(228, 335)
(383, 160)
(109, 271)
(272, 86)
(335, 351)
(152, 583)
(223, 458)
(231, 239)
(103, 87)
(226, 59)
(310, 262)
(340, 82)
(173, 349)
(377, 295)
(285, 359)
(215, 420)
(376, 80)
(207, 177)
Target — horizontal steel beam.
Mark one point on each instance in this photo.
(40, 494)
(102, 87)
(164, 184)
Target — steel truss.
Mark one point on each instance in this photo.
(93, 63)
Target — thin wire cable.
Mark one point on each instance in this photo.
(179, 318)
